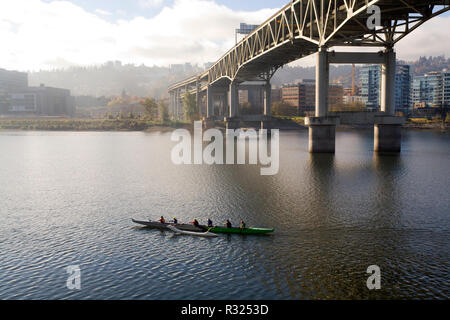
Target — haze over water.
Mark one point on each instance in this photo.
(68, 199)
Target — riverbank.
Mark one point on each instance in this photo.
(282, 123)
(39, 124)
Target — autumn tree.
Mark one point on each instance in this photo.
(281, 108)
(163, 111)
(151, 107)
(190, 106)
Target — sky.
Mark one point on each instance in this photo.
(48, 34)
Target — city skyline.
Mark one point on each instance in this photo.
(81, 33)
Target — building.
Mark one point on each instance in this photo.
(302, 95)
(17, 98)
(446, 88)
(245, 29)
(335, 95)
(370, 80)
(370, 77)
(10, 81)
(402, 89)
(42, 101)
(353, 99)
(431, 90)
(428, 90)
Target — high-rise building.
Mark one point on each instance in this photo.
(245, 29)
(427, 90)
(402, 88)
(446, 88)
(370, 84)
(432, 90)
(370, 76)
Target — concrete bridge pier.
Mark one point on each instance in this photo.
(322, 134)
(322, 128)
(267, 122)
(388, 134)
(208, 121)
(388, 127)
(232, 121)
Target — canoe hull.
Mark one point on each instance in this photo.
(164, 226)
(241, 231)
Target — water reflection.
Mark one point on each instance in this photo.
(334, 216)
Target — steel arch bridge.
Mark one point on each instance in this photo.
(304, 27)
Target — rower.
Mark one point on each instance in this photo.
(195, 223)
(242, 226)
(175, 221)
(210, 223)
(228, 224)
(162, 220)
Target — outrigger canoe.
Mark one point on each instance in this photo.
(192, 228)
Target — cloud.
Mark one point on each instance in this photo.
(43, 35)
(103, 12)
(150, 3)
(39, 32)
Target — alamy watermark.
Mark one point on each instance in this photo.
(374, 281)
(374, 19)
(213, 153)
(74, 280)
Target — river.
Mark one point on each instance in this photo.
(67, 198)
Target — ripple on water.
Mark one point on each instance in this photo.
(334, 216)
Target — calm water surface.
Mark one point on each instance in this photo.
(68, 199)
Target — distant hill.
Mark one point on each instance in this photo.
(291, 74)
(112, 78)
(430, 64)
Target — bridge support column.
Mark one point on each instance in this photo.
(388, 134)
(233, 100)
(322, 82)
(388, 128)
(232, 121)
(267, 123)
(208, 121)
(177, 102)
(322, 129)
(322, 134)
(388, 83)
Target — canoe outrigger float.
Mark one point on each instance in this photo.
(202, 229)
(206, 234)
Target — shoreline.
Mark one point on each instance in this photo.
(139, 125)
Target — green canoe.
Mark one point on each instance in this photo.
(241, 231)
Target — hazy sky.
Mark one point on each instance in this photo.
(45, 34)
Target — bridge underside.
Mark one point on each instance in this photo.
(302, 28)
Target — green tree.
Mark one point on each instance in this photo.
(151, 107)
(283, 109)
(190, 107)
(163, 111)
